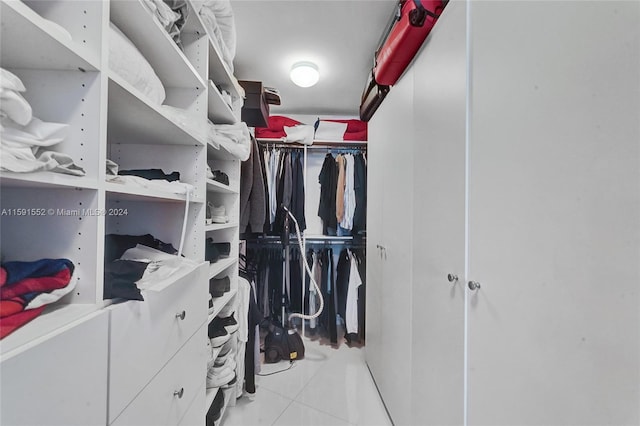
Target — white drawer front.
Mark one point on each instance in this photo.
(61, 381)
(196, 413)
(145, 335)
(157, 404)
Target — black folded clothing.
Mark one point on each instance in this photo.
(120, 278)
(115, 245)
(151, 174)
(219, 286)
(220, 176)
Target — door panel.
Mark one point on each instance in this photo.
(379, 134)
(439, 204)
(392, 128)
(554, 331)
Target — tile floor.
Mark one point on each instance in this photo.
(328, 387)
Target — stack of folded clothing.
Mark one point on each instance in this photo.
(233, 138)
(27, 287)
(25, 140)
(135, 262)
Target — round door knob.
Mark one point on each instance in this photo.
(452, 278)
(474, 285)
(179, 393)
(181, 315)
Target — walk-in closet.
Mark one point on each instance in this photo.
(356, 213)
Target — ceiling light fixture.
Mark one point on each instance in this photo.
(304, 74)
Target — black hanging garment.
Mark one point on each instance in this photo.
(360, 189)
(328, 180)
(297, 201)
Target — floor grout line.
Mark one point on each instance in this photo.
(283, 411)
(324, 412)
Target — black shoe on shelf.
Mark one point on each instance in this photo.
(211, 252)
(219, 249)
(221, 177)
(219, 286)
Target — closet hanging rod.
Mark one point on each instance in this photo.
(321, 240)
(278, 143)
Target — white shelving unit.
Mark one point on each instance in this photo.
(215, 186)
(68, 80)
(219, 111)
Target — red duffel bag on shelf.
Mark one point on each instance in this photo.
(417, 18)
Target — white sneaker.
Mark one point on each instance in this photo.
(216, 380)
(227, 362)
(218, 214)
(220, 340)
(209, 173)
(210, 360)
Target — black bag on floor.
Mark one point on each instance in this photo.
(281, 344)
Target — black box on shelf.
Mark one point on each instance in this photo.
(255, 111)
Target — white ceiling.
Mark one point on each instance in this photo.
(339, 36)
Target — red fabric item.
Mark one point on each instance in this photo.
(39, 285)
(12, 306)
(11, 323)
(276, 127)
(356, 129)
(356, 136)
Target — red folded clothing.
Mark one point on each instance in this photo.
(27, 287)
(276, 127)
(356, 129)
(11, 323)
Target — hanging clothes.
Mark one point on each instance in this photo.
(340, 188)
(313, 297)
(328, 180)
(297, 201)
(360, 192)
(252, 192)
(349, 194)
(351, 318)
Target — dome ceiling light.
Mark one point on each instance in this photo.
(304, 74)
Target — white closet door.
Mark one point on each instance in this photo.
(439, 203)
(379, 133)
(554, 330)
(392, 173)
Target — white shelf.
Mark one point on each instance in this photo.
(217, 267)
(215, 186)
(219, 153)
(219, 73)
(51, 322)
(132, 119)
(220, 226)
(122, 192)
(219, 111)
(46, 180)
(221, 302)
(156, 45)
(45, 49)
